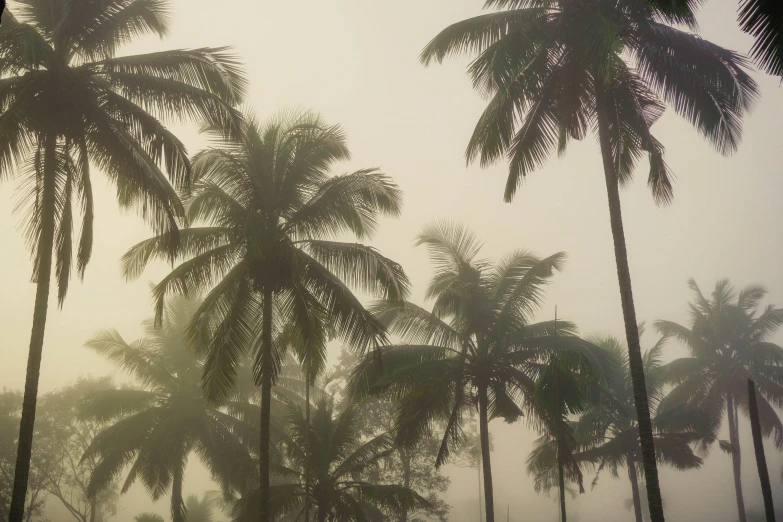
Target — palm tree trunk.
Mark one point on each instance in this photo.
(629, 312)
(405, 459)
(489, 501)
(637, 499)
(561, 481)
(736, 457)
(307, 449)
(266, 404)
(758, 445)
(177, 502)
(322, 513)
(43, 273)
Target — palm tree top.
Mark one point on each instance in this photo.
(545, 64)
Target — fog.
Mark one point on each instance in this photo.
(356, 62)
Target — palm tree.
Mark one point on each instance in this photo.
(567, 383)
(200, 510)
(608, 429)
(758, 446)
(476, 348)
(268, 251)
(66, 101)
(554, 69)
(157, 426)
(331, 446)
(728, 344)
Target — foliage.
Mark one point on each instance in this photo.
(61, 79)
(42, 464)
(68, 436)
(406, 466)
(338, 457)
(728, 343)
(156, 427)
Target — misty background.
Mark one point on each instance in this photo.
(356, 62)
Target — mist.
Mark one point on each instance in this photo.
(356, 63)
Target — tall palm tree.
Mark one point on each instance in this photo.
(554, 69)
(476, 349)
(728, 341)
(608, 431)
(267, 251)
(159, 425)
(338, 458)
(68, 101)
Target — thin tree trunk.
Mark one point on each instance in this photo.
(758, 445)
(178, 512)
(405, 459)
(489, 501)
(637, 499)
(266, 404)
(561, 481)
(736, 457)
(307, 449)
(43, 273)
(629, 312)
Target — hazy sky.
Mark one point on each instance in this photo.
(356, 63)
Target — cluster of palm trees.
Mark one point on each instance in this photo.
(257, 225)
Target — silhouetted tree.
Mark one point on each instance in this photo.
(157, 427)
(66, 101)
(477, 347)
(555, 69)
(268, 256)
(728, 344)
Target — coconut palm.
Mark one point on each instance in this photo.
(728, 341)
(608, 429)
(567, 383)
(67, 101)
(331, 446)
(554, 69)
(268, 252)
(159, 425)
(477, 348)
(200, 509)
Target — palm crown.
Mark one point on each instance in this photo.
(551, 67)
(159, 425)
(68, 101)
(478, 347)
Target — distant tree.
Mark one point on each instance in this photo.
(156, 428)
(148, 517)
(200, 509)
(66, 101)
(68, 435)
(338, 458)
(410, 467)
(608, 431)
(555, 69)
(42, 464)
(268, 255)
(477, 348)
(567, 383)
(728, 341)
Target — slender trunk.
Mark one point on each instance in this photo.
(561, 480)
(489, 501)
(736, 457)
(758, 445)
(178, 512)
(307, 449)
(629, 313)
(405, 459)
(266, 404)
(43, 275)
(637, 499)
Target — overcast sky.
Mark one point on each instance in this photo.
(356, 62)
